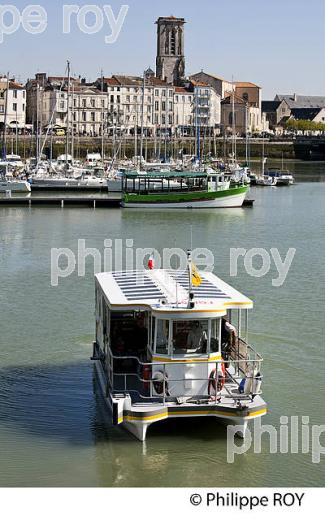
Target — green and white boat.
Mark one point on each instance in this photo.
(183, 190)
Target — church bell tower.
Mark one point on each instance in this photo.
(170, 63)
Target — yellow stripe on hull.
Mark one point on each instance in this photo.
(165, 415)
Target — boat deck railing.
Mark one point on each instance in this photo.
(142, 377)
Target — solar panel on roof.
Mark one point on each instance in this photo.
(205, 290)
(137, 286)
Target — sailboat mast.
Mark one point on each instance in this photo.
(197, 127)
(68, 117)
(246, 133)
(142, 119)
(4, 152)
(233, 123)
(102, 114)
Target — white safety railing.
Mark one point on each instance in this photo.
(244, 383)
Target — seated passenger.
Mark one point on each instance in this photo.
(197, 338)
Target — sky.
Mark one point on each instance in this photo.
(279, 45)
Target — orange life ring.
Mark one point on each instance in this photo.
(212, 387)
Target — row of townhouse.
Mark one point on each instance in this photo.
(125, 102)
(130, 102)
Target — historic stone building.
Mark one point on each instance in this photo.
(170, 63)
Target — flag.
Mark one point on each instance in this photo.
(151, 263)
(196, 278)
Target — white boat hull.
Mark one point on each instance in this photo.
(15, 186)
(229, 201)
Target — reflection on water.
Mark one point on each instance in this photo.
(54, 427)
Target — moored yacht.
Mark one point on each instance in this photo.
(9, 183)
(280, 177)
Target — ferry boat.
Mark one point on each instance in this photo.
(172, 344)
(181, 191)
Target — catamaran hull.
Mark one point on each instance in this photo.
(229, 201)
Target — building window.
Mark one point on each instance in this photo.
(156, 105)
(93, 117)
(170, 119)
(173, 42)
(163, 93)
(171, 93)
(14, 107)
(170, 105)
(163, 106)
(15, 94)
(176, 99)
(84, 116)
(156, 92)
(84, 103)
(24, 109)
(93, 103)
(231, 118)
(245, 97)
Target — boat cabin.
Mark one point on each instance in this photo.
(167, 182)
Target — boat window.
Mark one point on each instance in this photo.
(190, 337)
(129, 333)
(162, 336)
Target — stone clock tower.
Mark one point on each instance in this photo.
(170, 63)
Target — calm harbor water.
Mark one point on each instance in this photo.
(53, 426)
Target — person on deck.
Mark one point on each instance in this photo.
(197, 337)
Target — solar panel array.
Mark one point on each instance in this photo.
(205, 290)
(137, 286)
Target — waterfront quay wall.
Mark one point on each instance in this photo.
(25, 146)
